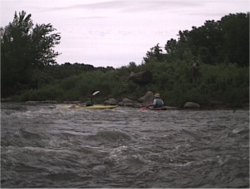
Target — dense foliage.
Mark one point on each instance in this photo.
(24, 50)
(213, 43)
(221, 48)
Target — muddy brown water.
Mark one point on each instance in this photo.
(48, 145)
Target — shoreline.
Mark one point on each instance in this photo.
(212, 107)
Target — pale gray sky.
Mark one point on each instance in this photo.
(116, 32)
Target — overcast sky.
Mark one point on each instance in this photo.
(114, 33)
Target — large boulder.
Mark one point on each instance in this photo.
(147, 99)
(110, 101)
(141, 78)
(130, 103)
(191, 105)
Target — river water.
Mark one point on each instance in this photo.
(47, 145)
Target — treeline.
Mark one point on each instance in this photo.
(216, 42)
(221, 48)
(54, 73)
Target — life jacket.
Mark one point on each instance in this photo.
(159, 102)
(89, 103)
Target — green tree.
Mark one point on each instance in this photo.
(226, 40)
(171, 46)
(155, 53)
(236, 33)
(25, 48)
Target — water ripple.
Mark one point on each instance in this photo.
(52, 146)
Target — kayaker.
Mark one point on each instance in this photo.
(158, 102)
(89, 102)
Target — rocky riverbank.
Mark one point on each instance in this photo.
(147, 100)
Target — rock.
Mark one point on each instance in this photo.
(191, 105)
(128, 102)
(31, 102)
(147, 99)
(142, 78)
(110, 101)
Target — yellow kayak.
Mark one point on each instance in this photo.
(94, 107)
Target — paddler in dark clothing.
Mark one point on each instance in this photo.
(89, 101)
(158, 102)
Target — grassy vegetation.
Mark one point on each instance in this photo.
(226, 83)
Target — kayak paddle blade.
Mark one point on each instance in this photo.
(95, 93)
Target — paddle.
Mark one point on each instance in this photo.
(91, 102)
(95, 93)
(83, 104)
